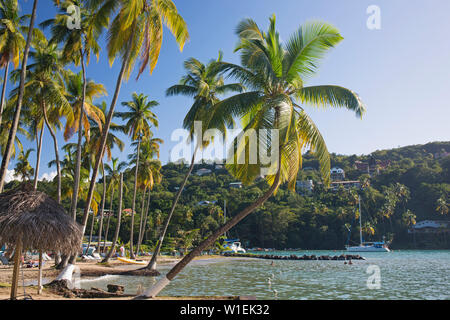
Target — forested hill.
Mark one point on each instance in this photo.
(401, 186)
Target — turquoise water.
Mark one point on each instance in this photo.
(403, 275)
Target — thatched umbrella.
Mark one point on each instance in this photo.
(31, 220)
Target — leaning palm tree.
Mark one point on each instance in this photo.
(137, 29)
(12, 132)
(205, 84)
(12, 41)
(275, 74)
(78, 45)
(139, 117)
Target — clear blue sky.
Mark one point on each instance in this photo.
(401, 72)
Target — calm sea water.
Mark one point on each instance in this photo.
(403, 275)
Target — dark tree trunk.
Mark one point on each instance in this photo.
(38, 157)
(109, 219)
(141, 221)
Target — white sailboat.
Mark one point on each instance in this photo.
(367, 246)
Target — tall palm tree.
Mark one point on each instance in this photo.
(46, 83)
(78, 44)
(93, 146)
(275, 73)
(137, 29)
(119, 216)
(12, 132)
(149, 174)
(139, 117)
(442, 205)
(23, 169)
(205, 84)
(113, 172)
(12, 41)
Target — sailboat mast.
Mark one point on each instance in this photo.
(225, 214)
(360, 225)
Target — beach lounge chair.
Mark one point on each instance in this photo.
(4, 260)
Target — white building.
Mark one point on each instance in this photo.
(202, 172)
(430, 226)
(306, 185)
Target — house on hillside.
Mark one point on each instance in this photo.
(430, 226)
(337, 174)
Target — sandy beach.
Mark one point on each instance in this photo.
(89, 269)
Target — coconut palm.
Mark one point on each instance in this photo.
(6, 127)
(136, 30)
(113, 172)
(93, 147)
(138, 119)
(23, 169)
(78, 44)
(205, 84)
(45, 83)
(13, 130)
(274, 74)
(149, 174)
(12, 41)
(119, 216)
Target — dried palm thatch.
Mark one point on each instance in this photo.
(37, 221)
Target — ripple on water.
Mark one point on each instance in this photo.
(404, 275)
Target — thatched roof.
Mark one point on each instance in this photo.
(38, 221)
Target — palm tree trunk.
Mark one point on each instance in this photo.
(2, 103)
(140, 222)
(116, 235)
(142, 232)
(55, 144)
(109, 219)
(106, 126)
(161, 284)
(76, 185)
(153, 261)
(13, 130)
(38, 158)
(133, 207)
(102, 209)
(90, 233)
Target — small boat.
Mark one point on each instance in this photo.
(132, 261)
(232, 245)
(367, 246)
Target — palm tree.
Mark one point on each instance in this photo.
(12, 132)
(114, 173)
(116, 234)
(93, 146)
(46, 84)
(275, 73)
(23, 168)
(78, 44)
(149, 175)
(12, 41)
(137, 29)
(205, 83)
(137, 126)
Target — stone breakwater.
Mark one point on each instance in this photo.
(294, 257)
